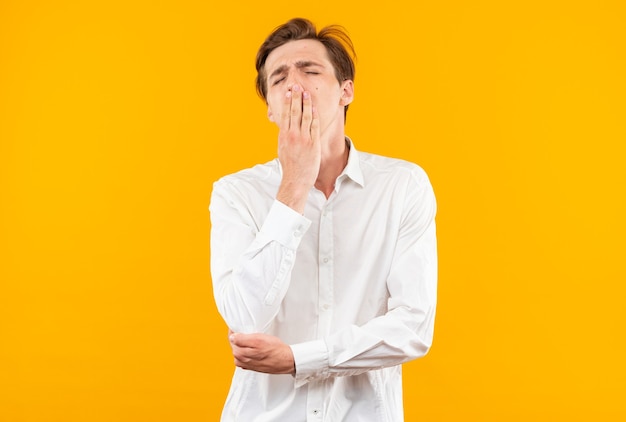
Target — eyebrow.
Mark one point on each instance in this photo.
(299, 64)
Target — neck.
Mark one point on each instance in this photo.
(334, 160)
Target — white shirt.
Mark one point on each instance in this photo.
(350, 285)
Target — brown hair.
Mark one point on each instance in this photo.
(334, 37)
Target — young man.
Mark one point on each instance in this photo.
(324, 261)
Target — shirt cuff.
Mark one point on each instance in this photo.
(285, 225)
(311, 361)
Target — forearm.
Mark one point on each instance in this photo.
(403, 333)
(249, 296)
(250, 267)
(382, 342)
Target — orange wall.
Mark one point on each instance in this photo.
(117, 116)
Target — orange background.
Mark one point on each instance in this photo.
(117, 116)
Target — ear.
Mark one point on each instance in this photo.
(347, 92)
(270, 115)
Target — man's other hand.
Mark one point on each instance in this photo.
(262, 353)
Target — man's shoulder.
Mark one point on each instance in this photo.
(377, 164)
(257, 174)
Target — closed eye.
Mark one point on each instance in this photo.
(277, 81)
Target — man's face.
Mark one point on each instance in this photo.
(306, 63)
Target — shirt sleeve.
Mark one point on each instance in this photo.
(405, 331)
(251, 261)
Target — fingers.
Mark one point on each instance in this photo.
(297, 114)
(296, 107)
(307, 111)
(285, 115)
(315, 125)
(247, 341)
(245, 348)
(239, 350)
(234, 339)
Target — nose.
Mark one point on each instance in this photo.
(293, 80)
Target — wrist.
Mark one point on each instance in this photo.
(293, 195)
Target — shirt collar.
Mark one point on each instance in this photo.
(353, 168)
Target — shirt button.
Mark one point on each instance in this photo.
(325, 260)
(325, 307)
(315, 412)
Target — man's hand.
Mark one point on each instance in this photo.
(262, 353)
(299, 148)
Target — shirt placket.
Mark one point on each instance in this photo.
(315, 398)
(326, 271)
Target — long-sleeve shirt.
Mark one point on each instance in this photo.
(351, 286)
